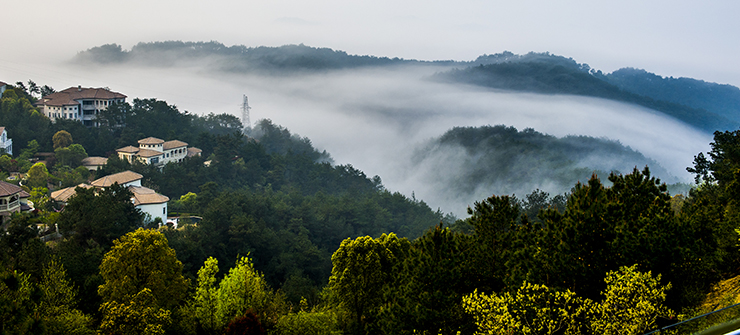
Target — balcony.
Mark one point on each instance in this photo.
(12, 206)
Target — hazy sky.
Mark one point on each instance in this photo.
(671, 38)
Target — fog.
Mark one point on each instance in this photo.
(375, 119)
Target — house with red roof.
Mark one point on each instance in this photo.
(78, 103)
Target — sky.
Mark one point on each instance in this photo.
(671, 38)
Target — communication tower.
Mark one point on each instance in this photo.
(245, 115)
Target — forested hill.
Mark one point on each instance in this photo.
(237, 58)
(473, 161)
(720, 99)
(557, 75)
(706, 106)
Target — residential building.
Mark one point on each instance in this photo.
(6, 143)
(78, 103)
(94, 163)
(148, 201)
(157, 152)
(3, 87)
(12, 199)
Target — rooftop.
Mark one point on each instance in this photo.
(7, 189)
(173, 144)
(129, 149)
(120, 178)
(144, 196)
(64, 194)
(146, 153)
(71, 95)
(151, 140)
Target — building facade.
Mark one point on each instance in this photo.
(154, 151)
(78, 103)
(6, 143)
(148, 201)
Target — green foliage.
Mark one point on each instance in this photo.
(102, 215)
(632, 302)
(533, 309)
(16, 304)
(426, 288)
(137, 314)
(362, 268)
(71, 155)
(38, 175)
(142, 260)
(242, 289)
(62, 139)
(313, 322)
(206, 297)
(58, 301)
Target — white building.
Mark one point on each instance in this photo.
(3, 87)
(149, 202)
(78, 103)
(5, 142)
(157, 152)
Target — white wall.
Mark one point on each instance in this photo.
(155, 211)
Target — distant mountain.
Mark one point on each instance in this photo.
(549, 74)
(238, 58)
(503, 160)
(706, 106)
(717, 98)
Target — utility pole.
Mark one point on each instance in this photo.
(245, 115)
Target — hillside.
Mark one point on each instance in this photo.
(471, 161)
(556, 75)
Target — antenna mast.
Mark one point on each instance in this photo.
(245, 115)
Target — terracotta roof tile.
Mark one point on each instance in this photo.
(129, 149)
(144, 196)
(173, 144)
(71, 95)
(193, 151)
(7, 189)
(146, 153)
(151, 140)
(120, 178)
(64, 194)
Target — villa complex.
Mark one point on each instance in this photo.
(78, 103)
(151, 203)
(157, 152)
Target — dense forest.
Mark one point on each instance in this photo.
(282, 241)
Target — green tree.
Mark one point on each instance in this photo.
(99, 215)
(142, 260)
(361, 269)
(62, 139)
(71, 155)
(58, 301)
(241, 290)
(137, 314)
(206, 297)
(16, 304)
(533, 309)
(38, 175)
(632, 303)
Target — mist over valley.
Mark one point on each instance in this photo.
(380, 115)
